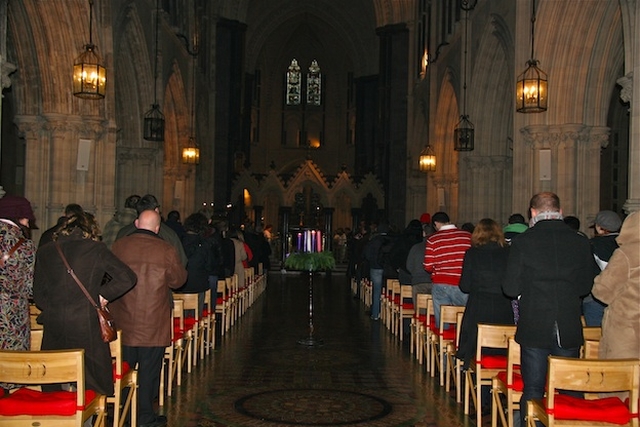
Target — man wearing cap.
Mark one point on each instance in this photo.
(17, 258)
(606, 228)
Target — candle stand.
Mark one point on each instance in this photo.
(310, 262)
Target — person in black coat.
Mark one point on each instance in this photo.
(551, 268)
(483, 270)
(69, 319)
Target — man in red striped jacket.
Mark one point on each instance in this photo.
(443, 257)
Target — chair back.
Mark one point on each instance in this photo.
(592, 333)
(41, 368)
(593, 376)
(36, 339)
(590, 349)
(493, 336)
(449, 315)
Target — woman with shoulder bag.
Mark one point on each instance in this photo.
(69, 319)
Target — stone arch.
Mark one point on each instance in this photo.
(176, 136)
(133, 89)
(443, 191)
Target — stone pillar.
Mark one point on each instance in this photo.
(328, 229)
(565, 159)
(284, 215)
(632, 94)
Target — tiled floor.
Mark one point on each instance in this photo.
(260, 376)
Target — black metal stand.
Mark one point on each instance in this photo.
(310, 341)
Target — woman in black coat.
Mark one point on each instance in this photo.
(69, 319)
(483, 270)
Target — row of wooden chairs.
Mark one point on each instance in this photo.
(194, 331)
(436, 345)
(35, 368)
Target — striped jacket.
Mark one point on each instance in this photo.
(444, 254)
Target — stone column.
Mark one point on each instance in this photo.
(631, 93)
(573, 156)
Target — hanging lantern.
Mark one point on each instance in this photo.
(463, 135)
(191, 153)
(154, 124)
(89, 76)
(427, 160)
(154, 119)
(531, 90)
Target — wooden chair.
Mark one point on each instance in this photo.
(443, 336)
(173, 353)
(36, 339)
(418, 322)
(590, 349)
(34, 312)
(394, 306)
(590, 333)
(406, 309)
(124, 377)
(454, 365)
(28, 407)
(485, 367)
(427, 337)
(508, 384)
(209, 319)
(386, 296)
(588, 376)
(222, 304)
(192, 327)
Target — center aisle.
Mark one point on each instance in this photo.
(260, 376)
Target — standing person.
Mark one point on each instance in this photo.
(201, 263)
(69, 319)
(121, 218)
(69, 210)
(17, 253)
(606, 227)
(148, 202)
(240, 254)
(550, 268)
(174, 222)
(618, 285)
(372, 254)
(410, 236)
(420, 278)
(485, 264)
(516, 225)
(444, 253)
(144, 314)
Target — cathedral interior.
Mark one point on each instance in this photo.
(320, 109)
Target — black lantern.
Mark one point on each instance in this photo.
(531, 89)
(463, 133)
(154, 119)
(89, 76)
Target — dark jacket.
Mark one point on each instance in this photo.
(200, 263)
(144, 314)
(551, 267)
(482, 275)
(69, 320)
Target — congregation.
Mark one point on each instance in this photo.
(544, 285)
(129, 269)
(544, 281)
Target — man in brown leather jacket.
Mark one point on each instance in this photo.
(144, 313)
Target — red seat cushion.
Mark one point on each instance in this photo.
(490, 361)
(25, 401)
(189, 322)
(407, 306)
(517, 385)
(609, 409)
(125, 369)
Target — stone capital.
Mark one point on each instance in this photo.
(626, 83)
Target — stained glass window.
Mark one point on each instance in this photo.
(294, 83)
(314, 84)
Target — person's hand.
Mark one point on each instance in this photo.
(103, 301)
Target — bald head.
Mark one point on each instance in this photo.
(148, 220)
